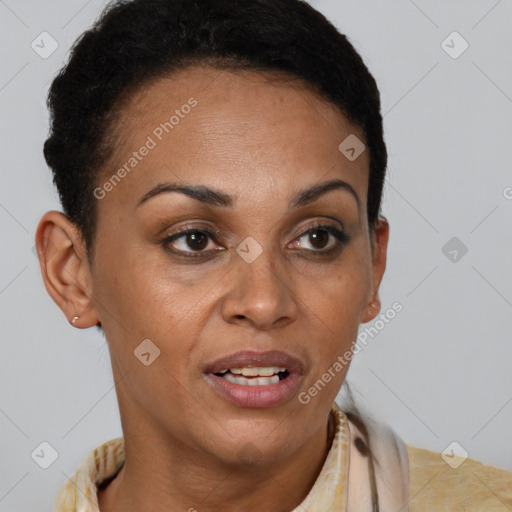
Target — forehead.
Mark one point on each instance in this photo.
(211, 126)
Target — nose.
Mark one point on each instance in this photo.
(260, 295)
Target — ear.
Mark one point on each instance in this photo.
(379, 245)
(65, 268)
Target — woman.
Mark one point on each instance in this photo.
(220, 166)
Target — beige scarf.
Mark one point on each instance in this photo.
(366, 469)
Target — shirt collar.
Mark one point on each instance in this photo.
(79, 492)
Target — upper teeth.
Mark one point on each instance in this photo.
(248, 371)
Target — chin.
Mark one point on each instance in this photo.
(255, 443)
(248, 454)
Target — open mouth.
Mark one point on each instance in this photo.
(256, 379)
(254, 376)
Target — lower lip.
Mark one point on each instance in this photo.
(256, 396)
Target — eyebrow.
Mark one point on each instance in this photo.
(310, 194)
(201, 193)
(217, 198)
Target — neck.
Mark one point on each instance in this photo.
(163, 475)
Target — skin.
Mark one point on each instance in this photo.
(260, 141)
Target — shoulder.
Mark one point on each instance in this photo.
(462, 484)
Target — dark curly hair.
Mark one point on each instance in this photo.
(135, 41)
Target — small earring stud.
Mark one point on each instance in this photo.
(74, 320)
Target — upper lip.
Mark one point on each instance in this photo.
(257, 359)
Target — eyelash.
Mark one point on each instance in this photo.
(341, 239)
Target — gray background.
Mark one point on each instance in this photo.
(438, 372)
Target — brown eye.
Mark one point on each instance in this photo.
(319, 238)
(196, 240)
(191, 242)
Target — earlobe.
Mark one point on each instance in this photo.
(65, 268)
(372, 309)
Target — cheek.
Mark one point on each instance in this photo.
(344, 298)
(335, 303)
(141, 296)
(339, 294)
(335, 308)
(145, 309)
(138, 289)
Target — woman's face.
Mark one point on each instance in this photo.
(276, 271)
